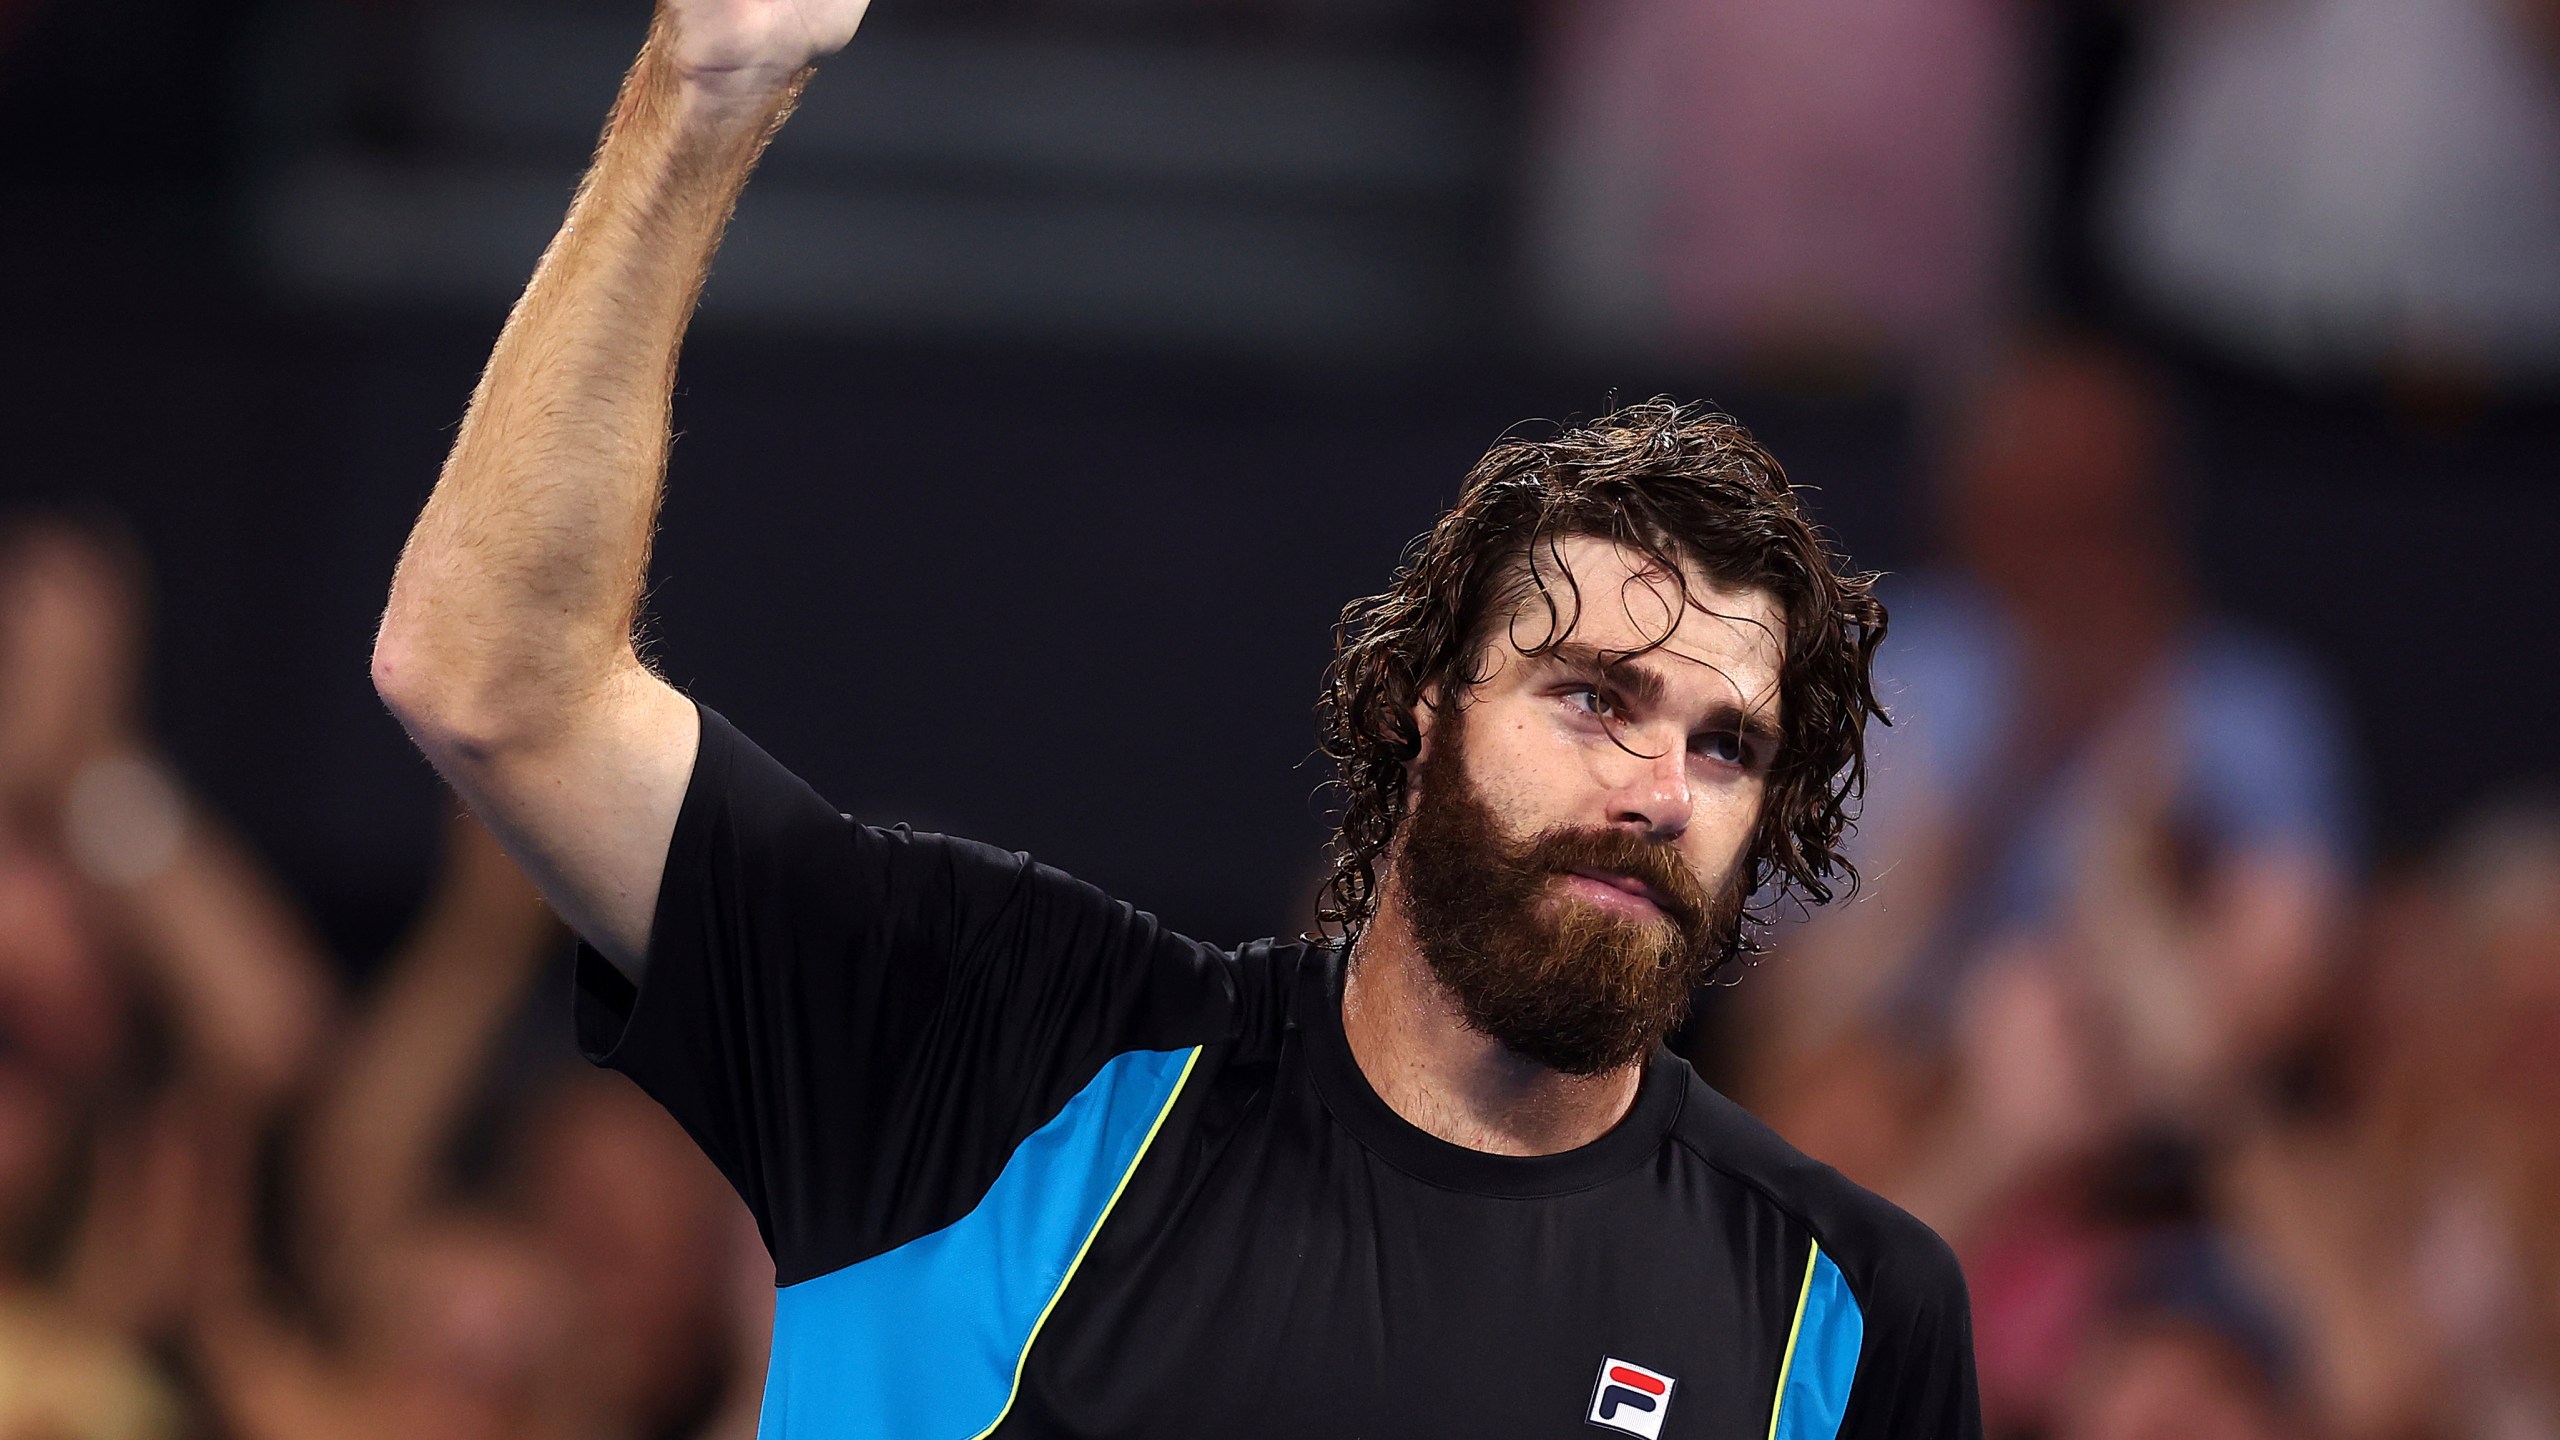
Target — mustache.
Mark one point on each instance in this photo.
(1659, 867)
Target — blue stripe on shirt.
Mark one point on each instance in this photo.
(1823, 1362)
(927, 1341)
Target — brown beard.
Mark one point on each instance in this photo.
(1556, 979)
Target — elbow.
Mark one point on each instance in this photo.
(433, 701)
(404, 679)
(393, 663)
(471, 708)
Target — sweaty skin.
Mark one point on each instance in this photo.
(1683, 769)
(506, 649)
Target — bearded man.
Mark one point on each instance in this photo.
(1029, 1163)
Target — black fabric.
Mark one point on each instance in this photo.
(857, 1024)
(860, 1024)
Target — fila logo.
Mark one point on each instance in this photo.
(1631, 1398)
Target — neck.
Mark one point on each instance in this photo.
(1414, 1047)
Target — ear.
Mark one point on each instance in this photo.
(1426, 719)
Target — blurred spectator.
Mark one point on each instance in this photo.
(673, 1290)
(583, 1292)
(2229, 1152)
(448, 1319)
(2342, 187)
(2415, 1221)
(2185, 1354)
(163, 1005)
(2073, 735)
(2165, 1379)
(2108, 848)
(2059, 689)
(2486, 1165)
(1821, 182)
(152, 990)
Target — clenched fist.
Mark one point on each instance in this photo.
(750, 47)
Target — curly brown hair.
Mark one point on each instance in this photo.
(1688, 489)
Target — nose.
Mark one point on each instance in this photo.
(1651, 793)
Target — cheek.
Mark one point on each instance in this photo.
(1720, 830)
(1531, 781)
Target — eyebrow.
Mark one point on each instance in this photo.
(1641, 682)
(1644, 685)
(1752, 725)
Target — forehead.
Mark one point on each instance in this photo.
(1713, 644)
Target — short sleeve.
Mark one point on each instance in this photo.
(858, 1024)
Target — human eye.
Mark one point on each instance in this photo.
(1725, 747)
(1588, 700)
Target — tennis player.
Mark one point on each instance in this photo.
(1031, 1164)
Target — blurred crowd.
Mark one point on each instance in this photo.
(2245, 1126)
(238, 1200)
(2239, 1135)
(2241, 1128)
(2332, 190)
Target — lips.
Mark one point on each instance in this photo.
(1627, 883)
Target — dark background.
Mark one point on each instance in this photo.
(1063, 584)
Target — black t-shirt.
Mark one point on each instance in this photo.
(1031, 1164)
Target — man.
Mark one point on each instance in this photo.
(1031, 1165)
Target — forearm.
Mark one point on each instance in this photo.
(516, 593)
(506, 649)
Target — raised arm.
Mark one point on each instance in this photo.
(506, 649)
